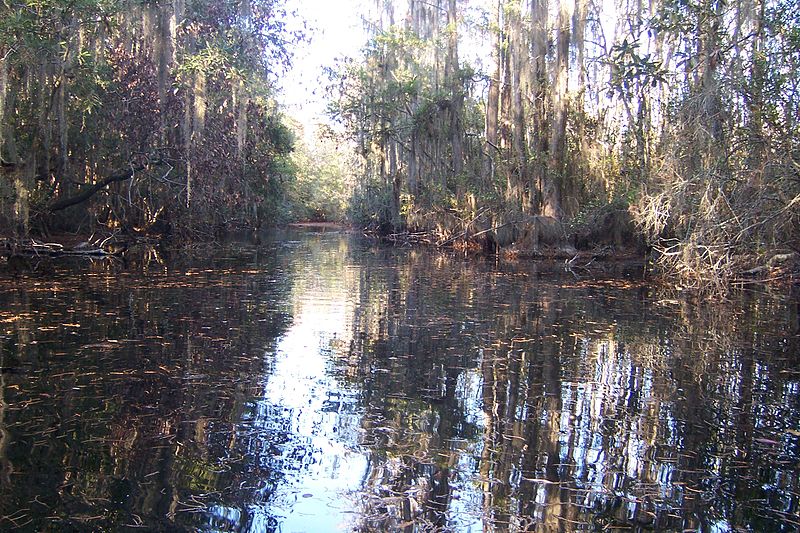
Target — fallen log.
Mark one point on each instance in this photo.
(35, 248)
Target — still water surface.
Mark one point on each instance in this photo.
(321, 383)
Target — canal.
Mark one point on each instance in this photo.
(321, 382)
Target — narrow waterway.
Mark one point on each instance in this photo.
(318, 382)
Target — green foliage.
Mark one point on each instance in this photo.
(322, 180)
(251, 37)
(629, 68)
(185, 95)
(404, 115)
(698, 130)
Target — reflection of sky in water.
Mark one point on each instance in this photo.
(609, 419)
(465, 509)
(314, 498)
(327, 390)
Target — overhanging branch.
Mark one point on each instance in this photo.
(91, 190)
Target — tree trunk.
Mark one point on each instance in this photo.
(8, 148)
(23, 182)
(3, 90)
(579, 38)
(396, 183)
(493, 98)
(91, 190)
(552, 201)
(539, 84)
(755, 99)
(62, 162)
(505, 110)
(516, 64)
(165, 52)
(709, 57)
(413, 166)
(457, 97)
(188, 112)
(45, 127)
(242, 101)
(200, 102)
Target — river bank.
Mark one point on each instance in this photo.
(549, 249)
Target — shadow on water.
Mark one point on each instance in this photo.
(316, 382)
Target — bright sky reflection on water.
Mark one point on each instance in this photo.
(301, 382)
(325, 383)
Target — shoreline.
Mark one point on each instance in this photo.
(601, 259)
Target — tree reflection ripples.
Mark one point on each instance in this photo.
(322, 383)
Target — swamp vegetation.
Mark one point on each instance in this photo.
(670, 123)
(173, 357)
(667, 127)
(145, 117)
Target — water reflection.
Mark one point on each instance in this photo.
(319, 383)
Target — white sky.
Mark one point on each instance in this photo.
(335, 30)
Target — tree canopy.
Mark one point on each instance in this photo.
(675, 120)
(681, 113)
(173, 99)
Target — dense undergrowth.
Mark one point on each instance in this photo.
(672, 130)
(512, 126)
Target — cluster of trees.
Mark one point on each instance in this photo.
(467, 116)
(322, 172)
(162, 112)
(682, 113)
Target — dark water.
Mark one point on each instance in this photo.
(317, 383)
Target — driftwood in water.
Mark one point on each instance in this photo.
(34, 248)
(409, 237)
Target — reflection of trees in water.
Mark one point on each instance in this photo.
(127, 396)
(598, 407)
(484, 397)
